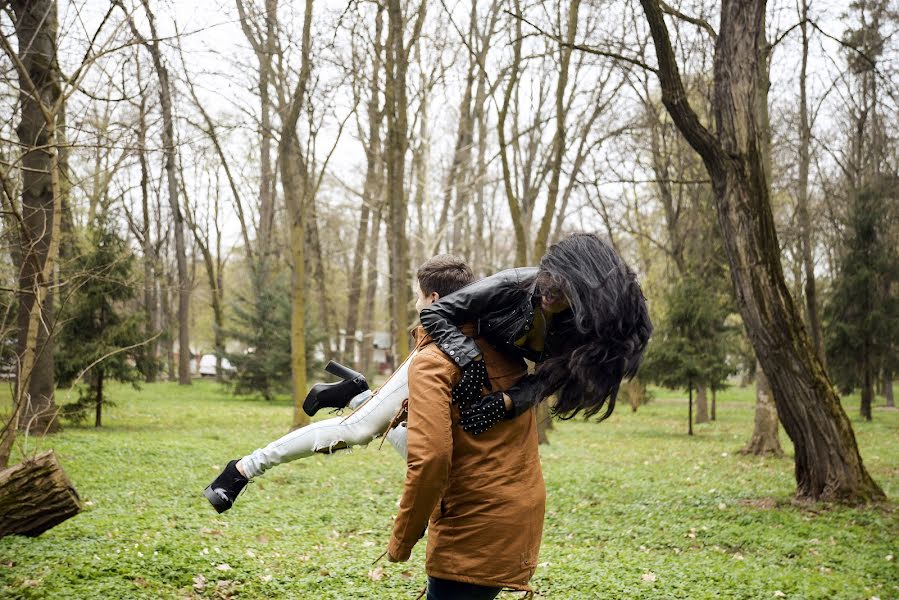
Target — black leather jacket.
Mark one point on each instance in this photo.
(503, 307)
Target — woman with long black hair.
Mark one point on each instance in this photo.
(580, 316)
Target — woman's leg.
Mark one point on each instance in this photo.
(367, 422)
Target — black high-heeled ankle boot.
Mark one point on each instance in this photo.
(335, 395)
(224, 489)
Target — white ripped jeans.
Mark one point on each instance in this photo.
(372, 415)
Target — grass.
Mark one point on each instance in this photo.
(635, 509)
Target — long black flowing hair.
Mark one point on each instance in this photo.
(610, 320)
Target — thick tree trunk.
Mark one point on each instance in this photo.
(39, 83)
(35, 495)
(702, 404)
(828, 464)
(764, 436)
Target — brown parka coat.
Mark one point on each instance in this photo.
(481, 497)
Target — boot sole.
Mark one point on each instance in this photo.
(215, 500)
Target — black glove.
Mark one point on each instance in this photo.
(474, 377)
(483, 413)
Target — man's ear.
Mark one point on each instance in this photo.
(434, 297)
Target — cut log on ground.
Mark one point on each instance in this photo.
(35, 495)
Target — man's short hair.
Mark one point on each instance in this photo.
(443, 274)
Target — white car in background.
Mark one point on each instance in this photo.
(207, 366)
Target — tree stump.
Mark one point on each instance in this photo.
(35, 495)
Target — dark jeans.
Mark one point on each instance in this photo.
(444, 589)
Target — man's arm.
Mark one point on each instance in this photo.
(443, 318)
(430, 449)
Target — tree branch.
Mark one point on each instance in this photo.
(582, 48)
(701, 23)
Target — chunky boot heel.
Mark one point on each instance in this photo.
(225, 488)
(335, 395)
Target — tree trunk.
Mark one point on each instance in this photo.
(702, 404)
(867, 393)
(368, 309)
(802, 210)
(98, 416)
(149, 250)
(170, 152)
(35, 495)
(371, 196)
(544, 422)
(397, 141)
(521, 243)
(39, 96)
(714, 404)
(296, 189)
(559, 139)
(764, 436)
(828, 464)
(690, 409)
(888, 389)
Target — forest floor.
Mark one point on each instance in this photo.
(635, 509)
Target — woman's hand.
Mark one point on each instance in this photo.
(469, 388)
(483, 413)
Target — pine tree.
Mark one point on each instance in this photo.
(862, 317)
(262, 326)
(690, 344)
(100, 337)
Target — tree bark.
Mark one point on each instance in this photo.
(702, 404)
(35, 495)
(828, 464)
(40, 99)
(764, 435)
(867, 392)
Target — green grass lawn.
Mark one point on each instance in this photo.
(635, 509)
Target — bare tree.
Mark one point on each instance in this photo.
(171, 158)
(828, 464)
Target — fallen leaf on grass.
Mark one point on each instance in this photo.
(779, 594)
(648, 577)
(376, 574)
(223, 567)
(406, 574)
(199, 583)
(140, 582)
